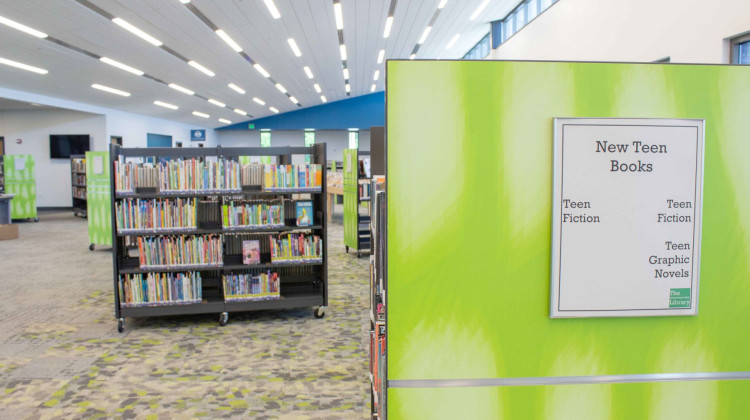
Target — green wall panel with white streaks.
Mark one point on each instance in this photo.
(99, 210)
(469, 237)
(351, 199)
(20, 179)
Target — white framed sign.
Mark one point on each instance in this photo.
(626, 217)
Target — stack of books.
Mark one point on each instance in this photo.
(253, 214)
(292, 177)
(296, 248)
(248, 287)
(158, 289)
(192, 251)
(137, 215)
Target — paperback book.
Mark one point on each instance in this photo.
(251, 252)
(304, 213)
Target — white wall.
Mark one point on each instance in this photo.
(687, 31)
(336, 140)
(33, 128)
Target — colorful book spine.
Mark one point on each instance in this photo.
(160, 289)
(306, 177)
(180, 251)
(296, 248)
(238, 214)
(134, 215)
(248, 287)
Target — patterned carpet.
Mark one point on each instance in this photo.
(61, 355)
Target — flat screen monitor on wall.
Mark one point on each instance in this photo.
(61, 146)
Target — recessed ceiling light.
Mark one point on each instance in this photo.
(381, 56)
(308, 72)
(346, 74)
(184, 1)
(34, 104)
(22, 28)
(201, 68)
(236, 88)
(259, 101)
(261, 70)
(348, 88)
(342, 50)
(22, 66)
(223, 35)
(181, 89)
(165, 105)
(294, 47)
(424, 35)
(376, 76)
(293, 99)
(442, 4)
(411, 57)
(274, 110)
(135, 31)
(272, 8)
(121, 66)
(479, 9)
(388, 24)
(452, 41)
(200, 114)
(372, 88)
(217, 103)
(110, 90)
(317, 88)
(225, 121)
(323, 98)
(280, 87)
(339, 15)
(239, 111)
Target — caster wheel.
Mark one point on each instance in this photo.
(319, 312)
(121, 325)
(223, 318)
(36, 220)
(347, 249)
(91, 247)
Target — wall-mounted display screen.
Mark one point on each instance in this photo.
(61, 146)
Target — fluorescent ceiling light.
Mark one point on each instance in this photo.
(236, 88)
(259, 101)
(274, 110)
(317, 88)
(442, 4)
(323, 98)
(424, 35)
(346, 74)
(223, 35)
(294, 47)
(239, 111)
(372, 88)
(200, 114)
(452, 41)
(388, 24)
(165, 105)
(293, 99)
(376, 76)
(121, 66)
(110, 90)
(217, 103)
(272, 8)
(181, 89)
(479, 9)
(339, 15)
(261, 70)
(22, 66)
(342, 50)
(281, 88)
(135, 31)
(22, 28)
(184, 1)
(201, 68)
(381, 56)
(308, 72)
(225, 121)
(348, 88)
(411, 57)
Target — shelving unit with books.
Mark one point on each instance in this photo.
(78, 181)
(356, 196)
(215, 235)
(378, 308)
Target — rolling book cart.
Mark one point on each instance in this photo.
(78, 181)
(356, 192)
(197, 231)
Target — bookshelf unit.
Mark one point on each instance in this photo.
(78, 184)
(356, 193)
(378, 309)
(302, 279)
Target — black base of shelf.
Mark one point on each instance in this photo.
(297, 300)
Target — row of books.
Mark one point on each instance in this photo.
(157, 289)
(295, 248)
(79, 179)
(78, 165)
(377, 367)
(180, 250)
(79, 192)
(364, 191)
(157, 214)
(240, 214)
(248, 287)
(285, 177)
(251, 174)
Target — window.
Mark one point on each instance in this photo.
(519, 17)
(480, 50)
(741, 50)
(354, 139)
(309, 141)
(265, 141)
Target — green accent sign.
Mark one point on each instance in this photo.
(20, 179)
(98, 205)
(351, 199)
(679, 298)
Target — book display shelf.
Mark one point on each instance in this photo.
(78, 184)
(356, 194)
(196, 230)
(378, 286)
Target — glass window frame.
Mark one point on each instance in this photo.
(735, 48)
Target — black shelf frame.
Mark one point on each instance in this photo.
(80, 207)
(296, 290)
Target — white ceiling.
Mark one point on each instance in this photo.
(264, 39)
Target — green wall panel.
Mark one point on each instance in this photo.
(469, 222)
(22, 183)
(99, 207)
(351, 198)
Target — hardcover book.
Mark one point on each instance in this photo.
(251, 252)
(304, 213)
